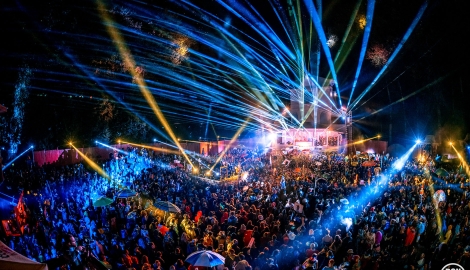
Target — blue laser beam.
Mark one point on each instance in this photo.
(18, 156)
(395, 53)
(365, 41)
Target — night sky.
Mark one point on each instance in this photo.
(222, 62)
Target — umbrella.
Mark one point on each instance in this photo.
(126, 193)
(127, 184)
(102, 201)
(344, 201)
(167, 206)
(369, 163)
(441, 172)
(205, 258)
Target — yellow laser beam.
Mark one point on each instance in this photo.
(462, 160)
(169, 151)
(129, 62)
(235, 137)
(92, 164)
(365, 140)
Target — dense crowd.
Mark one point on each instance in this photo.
(289, 211)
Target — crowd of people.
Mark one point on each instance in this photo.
(292, 210)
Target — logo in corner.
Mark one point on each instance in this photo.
(453, 266)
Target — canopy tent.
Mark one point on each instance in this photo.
(10, 259)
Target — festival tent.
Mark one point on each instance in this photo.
(10, 259)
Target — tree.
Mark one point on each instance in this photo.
(106, 113)
(21, 95)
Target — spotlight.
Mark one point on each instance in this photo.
(96, 141)
(154, 140)
(272, 136)
(451, 143)
(418, 141)
(32, 146)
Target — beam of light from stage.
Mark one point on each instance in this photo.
(438, 80)
(260, 83)
(321, 34)
(320, 11)
(317, 99)
(365, 41)
(254, 78)
(240, 59)
(128, 59)
(428, 51)
(168, 151)
(320, 104)
(365, 140)
(235, 137)
(248, 78)
(208, 120)
(98, 82)
(398, 164)
(395, 53)
(114, 148)
(297, 19)
(370, 192)
(362, 141)
(17, 157)
(243, 14)
(462, 160)
(92, 164)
